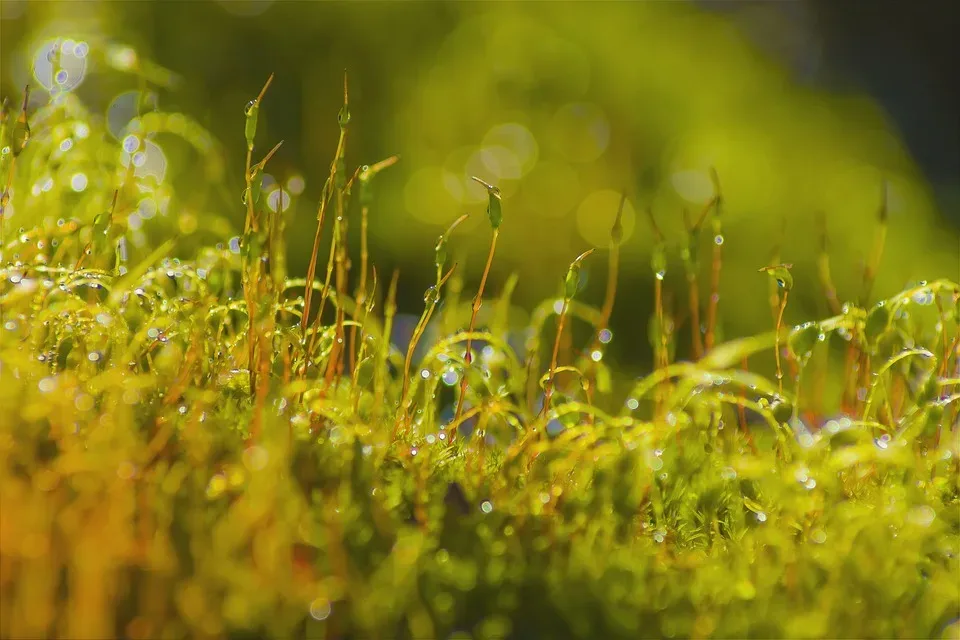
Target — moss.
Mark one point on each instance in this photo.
(186, 451)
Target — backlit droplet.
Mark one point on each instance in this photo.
(131, 143)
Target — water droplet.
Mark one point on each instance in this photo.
(922, 516)
(131, 143)
(605, 336)
(718, 239)
(596, 355)
(78, 182)
(486, 506)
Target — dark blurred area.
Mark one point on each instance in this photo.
(802, 107)
(903, 54)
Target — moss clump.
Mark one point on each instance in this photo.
(203, 447)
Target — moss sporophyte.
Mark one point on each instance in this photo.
(193, 442)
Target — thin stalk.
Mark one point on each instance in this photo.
(823, 268)
(876, 252)
(716, 263)
(691, 264)
(328, 190)
(335, 363)
(251, 270)
(21, 136)
(694, 302)
(365, 174)
(548, 392)
(389, 311)
(312, 267)
(361, 349)
(571, 284)
(613, 268)
(783, 280)
(659, 265)
(783, 306)
(477, 302)
(433, 299)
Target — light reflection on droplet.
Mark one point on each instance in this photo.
(78, 182)
(72, 67)
(320, 609)
(131, 143)
(278, 199)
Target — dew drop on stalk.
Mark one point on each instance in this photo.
(131, 143)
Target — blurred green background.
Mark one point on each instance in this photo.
(561, 104)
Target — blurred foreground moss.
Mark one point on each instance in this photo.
(199, 446)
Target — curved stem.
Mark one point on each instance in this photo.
(477, 301)
(548, 392)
